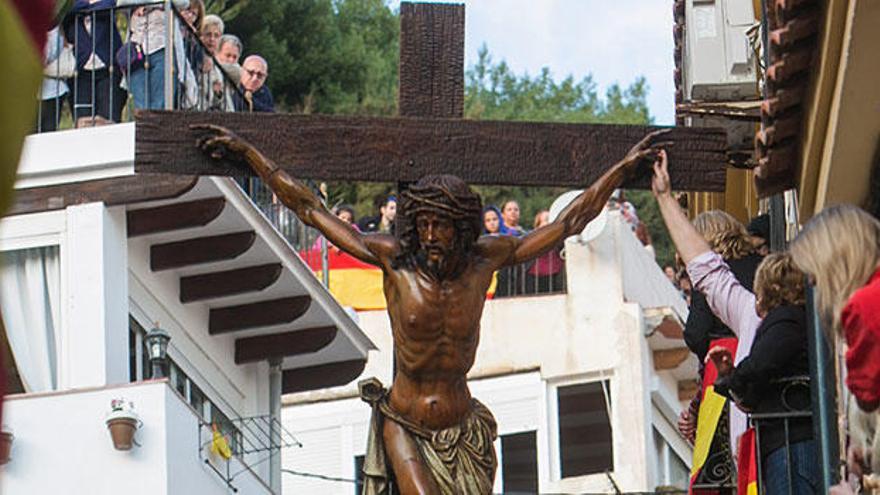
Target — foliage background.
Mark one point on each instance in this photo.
(340, 56)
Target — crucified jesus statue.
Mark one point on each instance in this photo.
(437, 269)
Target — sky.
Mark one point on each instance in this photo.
(614, 40)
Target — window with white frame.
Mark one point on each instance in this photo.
(584, 429)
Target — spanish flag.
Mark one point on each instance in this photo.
(747, 464)
(352, 282)
(355, 283)
(711, 408)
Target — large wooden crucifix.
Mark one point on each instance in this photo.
(430, 135)
(427, 428)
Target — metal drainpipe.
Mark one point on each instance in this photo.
(274, 424)
(169, 56)
(823, 394)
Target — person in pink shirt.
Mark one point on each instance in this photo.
(780, 353)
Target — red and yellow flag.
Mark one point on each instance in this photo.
(353, 282)
(711, 408)
(747, 464)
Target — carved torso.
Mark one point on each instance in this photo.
(436, 329)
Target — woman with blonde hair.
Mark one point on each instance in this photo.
(730, 239)
(840, 249)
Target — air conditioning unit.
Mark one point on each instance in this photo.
(719, 62)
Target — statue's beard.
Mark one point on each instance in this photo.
(438, 268)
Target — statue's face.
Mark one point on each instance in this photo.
(436, 237)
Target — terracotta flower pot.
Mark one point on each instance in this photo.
(5, 446)
(122, 431)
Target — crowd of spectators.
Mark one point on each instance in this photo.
(748, 327)
(107, 52)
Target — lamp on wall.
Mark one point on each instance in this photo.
(157, 348)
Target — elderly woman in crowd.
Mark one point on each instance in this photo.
(211, 86)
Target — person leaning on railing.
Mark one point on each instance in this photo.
(213, 94)
(840, 250)
(778, 352)
(255, 95)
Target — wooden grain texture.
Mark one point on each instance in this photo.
(280, 345)
(321, 376)
(405, 149)
(200, 250)
(187, 214)
(431, 60)
(115, 191)
(257, 314)
(229, 282)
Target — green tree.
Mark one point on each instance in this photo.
(494, 92)
(325, 56)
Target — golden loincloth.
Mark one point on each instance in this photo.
(460, 458)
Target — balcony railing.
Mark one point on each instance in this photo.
(112, 60)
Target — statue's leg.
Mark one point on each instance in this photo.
(410, 471)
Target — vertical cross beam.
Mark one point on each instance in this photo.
(431, 60)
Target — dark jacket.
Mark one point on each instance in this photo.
(262, 101)
(779, 352)
(104, 35)
(702, 326)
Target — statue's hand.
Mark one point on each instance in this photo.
(645, 150)
(221, 144)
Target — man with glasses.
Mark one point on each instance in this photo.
(257, 97)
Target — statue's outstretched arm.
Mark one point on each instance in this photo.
(575, 217)
(221, 143)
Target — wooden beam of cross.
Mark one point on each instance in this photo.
(430, 137)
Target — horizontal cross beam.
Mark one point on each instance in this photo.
(377, 149)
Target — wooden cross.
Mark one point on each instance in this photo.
(430, 135)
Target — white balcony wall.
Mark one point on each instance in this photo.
(62, 445)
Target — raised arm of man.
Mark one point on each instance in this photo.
(221, 143)
(575, 217)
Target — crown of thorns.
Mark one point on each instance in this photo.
(436, 198)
